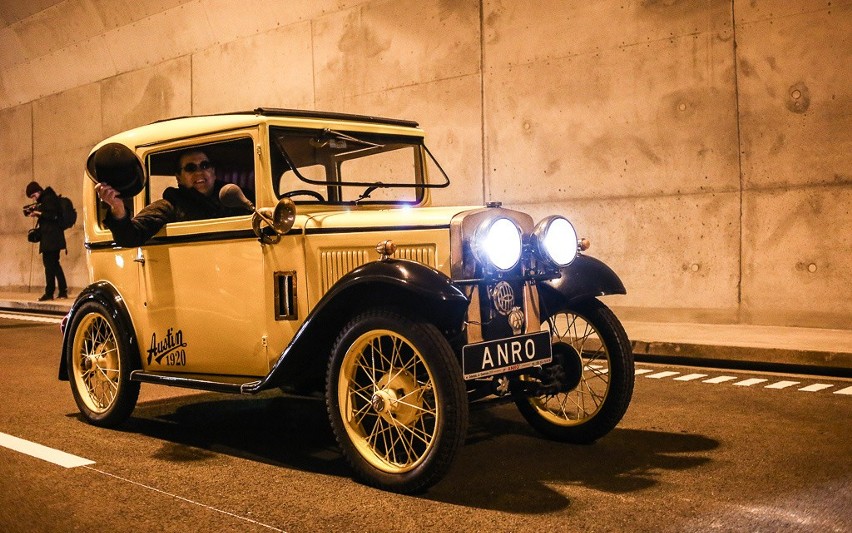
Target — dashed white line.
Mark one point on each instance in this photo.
(661, 375)
(847, 390)
(782, 385)
(816, 387)
(720, 379)
(42, 452)
(749, 382)
(640, 371)
(690, 377)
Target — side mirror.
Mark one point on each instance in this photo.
(118, 166)
(280, 218)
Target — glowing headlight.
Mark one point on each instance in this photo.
(498, 242)
(556, 240)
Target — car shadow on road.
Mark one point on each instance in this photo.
(268, 428)
(505, 465)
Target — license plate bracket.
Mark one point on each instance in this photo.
(499, 356)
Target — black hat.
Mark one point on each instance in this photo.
(116, 165)
(32, 188)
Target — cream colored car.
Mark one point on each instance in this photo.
(345, 284)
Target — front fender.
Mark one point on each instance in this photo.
(586, 277)
(396, 282)
(108, 296)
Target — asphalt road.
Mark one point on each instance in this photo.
(717, 452)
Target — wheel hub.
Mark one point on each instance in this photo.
(571, 365)
(394, 399)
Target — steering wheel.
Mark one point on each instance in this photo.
(303, 192)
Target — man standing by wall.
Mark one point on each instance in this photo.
(49, 213)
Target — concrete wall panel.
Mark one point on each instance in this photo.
(49, 74)
(387, 44)
(517, 33)
(450, 112)
(15, 10)
(11, 49)
(272, 69)
(58, 27)
(116, 13)
(167, 35)
(796, 99)
(759, 10)
(16, 162)
(796, 250)
(659, 120)
(143, 96)
(678, 256)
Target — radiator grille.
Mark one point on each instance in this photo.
(336, 262)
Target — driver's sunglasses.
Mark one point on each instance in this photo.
(192, 167)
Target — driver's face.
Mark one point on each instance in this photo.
(196, 172)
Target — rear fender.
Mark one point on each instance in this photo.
(586, 277)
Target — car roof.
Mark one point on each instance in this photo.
(190, 126)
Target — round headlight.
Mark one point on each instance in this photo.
(556, 240)
(498, 242)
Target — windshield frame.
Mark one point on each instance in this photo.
(336, 181)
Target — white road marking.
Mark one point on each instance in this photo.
(44, 453)
(720, 379)
(690, 377)
(175, 496)
(847, 390)
(816, 387)
(32, 318)
(661, 375)
(640, 371)
(749, 382)
(782, 385)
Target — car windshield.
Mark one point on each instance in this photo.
(339, 167)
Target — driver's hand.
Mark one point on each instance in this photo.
(110, 197)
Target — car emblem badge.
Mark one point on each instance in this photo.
(503, 298)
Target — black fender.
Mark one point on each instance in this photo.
(105, 294)
(586, 277)
(396, 282)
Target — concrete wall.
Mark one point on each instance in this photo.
(701, 145)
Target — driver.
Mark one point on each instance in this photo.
(196, 197)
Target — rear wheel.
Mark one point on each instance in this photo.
(99, 365)
(586, 390)
(396, 401)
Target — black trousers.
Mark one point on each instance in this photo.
(53, 273)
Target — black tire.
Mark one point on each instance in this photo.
(98, 358)
(396, 400)
(593, 363)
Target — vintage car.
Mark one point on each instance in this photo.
(342, 283)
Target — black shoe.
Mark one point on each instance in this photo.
(44, 297)
(63, 295)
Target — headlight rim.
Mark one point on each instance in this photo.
(479, 243)
(539, 238)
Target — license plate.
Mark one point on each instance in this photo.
(505, 355)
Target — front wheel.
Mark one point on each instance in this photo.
(585, 392)
(396, 401)
(98, 359)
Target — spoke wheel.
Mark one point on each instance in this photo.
(589, 385)
(396, 401)
(99, 366)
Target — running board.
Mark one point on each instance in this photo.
(172, 380)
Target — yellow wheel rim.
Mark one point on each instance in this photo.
(388, 402)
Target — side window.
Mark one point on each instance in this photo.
(232, 160)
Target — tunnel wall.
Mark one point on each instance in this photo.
(702, 146)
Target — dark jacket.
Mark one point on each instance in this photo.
(52, 234)
(178, 204)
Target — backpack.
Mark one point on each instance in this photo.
(68, 215)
